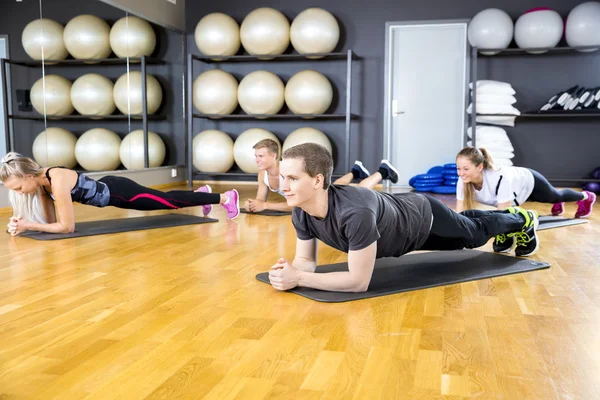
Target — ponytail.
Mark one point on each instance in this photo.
(477, 157)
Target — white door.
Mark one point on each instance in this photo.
(426, 94)
(3, 134)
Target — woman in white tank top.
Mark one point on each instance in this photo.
(510, 186)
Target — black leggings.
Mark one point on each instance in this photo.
(125, 193)
(468, 229)
(544, 192)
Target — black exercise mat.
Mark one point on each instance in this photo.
(122, 225)
(270, 213)
(421, 271)
(550, 221)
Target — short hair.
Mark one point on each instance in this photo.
(315, 160)
(269, 144)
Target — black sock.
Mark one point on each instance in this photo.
(383, 172)
(355, 173)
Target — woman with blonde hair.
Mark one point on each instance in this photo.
(508, 186)
(42, 198)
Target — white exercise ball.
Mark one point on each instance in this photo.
(92, 94)
(55, 147)
(490, 29)
(127, 93)
(44, 35)
(538, 28)
(131, 151)
(52, 96)
(261, 92)
(217, 34)
(215, 92)
(314, 30)
(265, 31)
(307, 135)
(98, 150)
(212, 151)
(583, 25)
(87, 37)
(132, 37)
(243, 151)
(308, 92)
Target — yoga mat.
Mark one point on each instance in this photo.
(122, 225)
(270, 213)
(550, 221)
(422, 270)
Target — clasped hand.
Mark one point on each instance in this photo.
(17, 225)
(254, 205)
(283, 276)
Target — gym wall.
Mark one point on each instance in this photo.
(169, 47)
(554, 147)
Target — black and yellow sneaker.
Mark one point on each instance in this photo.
(527, 240)
(504, 243)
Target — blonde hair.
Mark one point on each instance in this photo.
(268, 144)
(27, 206)
(477, 157)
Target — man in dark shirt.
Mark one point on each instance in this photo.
(368, 224)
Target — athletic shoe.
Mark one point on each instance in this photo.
(359, 170)
(503, 243)
(558, 209)
(392, 173)
(207, 208)
(232, 206)
(584, 207)
(527, 240)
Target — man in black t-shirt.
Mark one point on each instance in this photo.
(368, 224)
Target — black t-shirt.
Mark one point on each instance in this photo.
(357, 217)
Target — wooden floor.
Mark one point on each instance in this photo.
(177, 313)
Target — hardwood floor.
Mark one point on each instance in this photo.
(177, 313)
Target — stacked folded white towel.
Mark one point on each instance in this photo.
(494, 97)
(495, 141)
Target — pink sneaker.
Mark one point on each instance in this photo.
(584, 207)
(233, 204)
(558, 209)
(206, 209)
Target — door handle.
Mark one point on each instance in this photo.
(395, 111)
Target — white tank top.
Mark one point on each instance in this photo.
(279, 191)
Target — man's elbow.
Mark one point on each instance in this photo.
(68, 228)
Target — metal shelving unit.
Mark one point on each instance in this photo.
(142, 62)
(347, 56)
(530, 114)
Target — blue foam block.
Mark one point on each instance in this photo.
(444, 189)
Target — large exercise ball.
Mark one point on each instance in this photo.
(308, 92)
(212, 151)
(307, 135)
(55, 146)
(87, 37)
(314, 30)
(127, 93)
(131, 151)
(54, 94)
(265, 31)
(243, 151)
(215, 92)
(98, 150)
(583, 25)
(538, 28)
(132, 37)
(490, 29)
(261, 92)
(47, 35)
(217, 34)
(92, 94)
